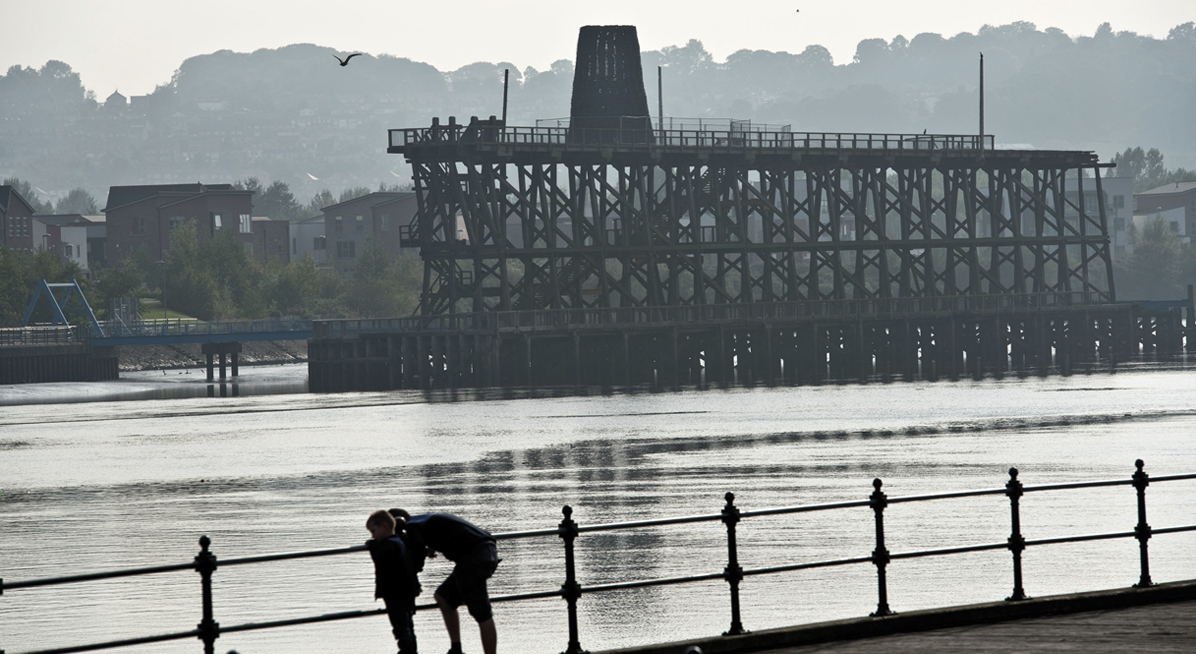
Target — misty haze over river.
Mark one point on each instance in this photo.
(108, 484)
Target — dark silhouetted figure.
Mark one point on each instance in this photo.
(345, 61)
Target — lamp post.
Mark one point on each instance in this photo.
(162, 263)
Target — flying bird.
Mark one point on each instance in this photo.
(345, 61)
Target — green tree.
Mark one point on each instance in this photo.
(354, 193)
(25, 189)
(77, 201)
(123, 279)
(1151, 272)
(324, 198)
(14, 287)
(1147, 169)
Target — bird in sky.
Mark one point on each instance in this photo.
(345, 61)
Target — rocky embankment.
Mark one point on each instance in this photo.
(190, 355)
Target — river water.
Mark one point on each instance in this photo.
(111, 482)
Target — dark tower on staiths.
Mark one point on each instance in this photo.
(608, 82)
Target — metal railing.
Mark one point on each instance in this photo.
(57, 335)
(648, 138)
(709, 313)
(569, 531)
(181, 327)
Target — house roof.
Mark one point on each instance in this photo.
(119, 196)
(7, 193)
(376, 198)
(62, 219)
(401, 196)
(1172, 188)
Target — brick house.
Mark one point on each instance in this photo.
(16, 220)
(347, 225)
(1169, 197)
(141, 217)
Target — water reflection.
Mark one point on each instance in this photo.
(144, 480)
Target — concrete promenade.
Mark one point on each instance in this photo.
(1156, 620)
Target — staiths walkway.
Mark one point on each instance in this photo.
(1156, 620)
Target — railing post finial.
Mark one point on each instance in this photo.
(1017, 543)
(205, 565)
(1142, 530)
(880, 556)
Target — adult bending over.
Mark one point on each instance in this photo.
(475, 555)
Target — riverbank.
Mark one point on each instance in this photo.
(190, 355)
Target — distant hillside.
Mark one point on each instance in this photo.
(294, 115)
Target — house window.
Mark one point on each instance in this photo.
(139, 227)
(246, 223)
(346, 249)
(1119, 224)
(360, 225)
(1118, 201)
(216, 223)
(339, 228)
(385, 223)
(68, 250)
(317, 243)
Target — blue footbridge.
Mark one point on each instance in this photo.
(84, 350)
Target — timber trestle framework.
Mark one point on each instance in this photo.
(515, 218)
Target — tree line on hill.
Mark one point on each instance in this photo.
(291, 114)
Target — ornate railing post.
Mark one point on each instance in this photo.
(733, 573)
(205, 565)
(1013, 489)
(1142, 529)
(880, 556)
(570, 590)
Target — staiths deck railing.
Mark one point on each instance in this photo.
(205, 563)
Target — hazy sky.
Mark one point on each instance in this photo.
(134, 45)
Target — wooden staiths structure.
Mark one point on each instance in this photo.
(695, 250)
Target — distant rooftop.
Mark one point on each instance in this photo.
(1174, 187)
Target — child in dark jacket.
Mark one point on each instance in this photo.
(395, 577)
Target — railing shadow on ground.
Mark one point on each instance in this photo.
(205, 562)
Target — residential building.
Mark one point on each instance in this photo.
(386, 216)
(16, 220)
(142, 216)
(1177, 195)
(307, 239)
(1119, 210)
(74, 237)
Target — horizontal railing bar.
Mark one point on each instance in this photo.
(830, 563)
(1078, 484)
(129, 572)
(944, 496)
(291, 555)
(327, 617)
(118, 643)
(511, 535)
(1080, 539)
(950, 550)
(612, 526)
(349, 615)
(1173, 530)
(803, 508)
(1190, 475)
(667, 581)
